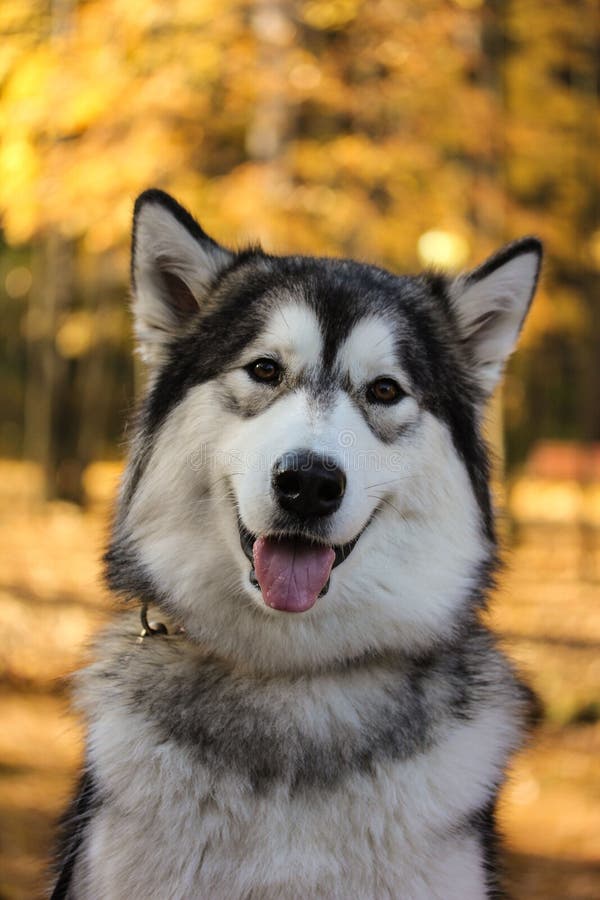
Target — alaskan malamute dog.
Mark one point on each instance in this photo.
(311, 707)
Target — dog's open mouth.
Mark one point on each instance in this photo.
(292, 573)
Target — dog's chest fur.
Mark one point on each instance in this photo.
(232, 785)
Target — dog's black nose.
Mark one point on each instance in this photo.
(308, 484)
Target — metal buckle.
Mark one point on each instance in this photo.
(150, 628)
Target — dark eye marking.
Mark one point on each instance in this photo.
(265, 370)
(385, 391)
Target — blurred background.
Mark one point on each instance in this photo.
(403, 132)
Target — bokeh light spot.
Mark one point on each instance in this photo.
(18, 282)
(446, 249)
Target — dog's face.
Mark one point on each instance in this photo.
(308, 482)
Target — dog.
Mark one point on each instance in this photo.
(314, 708)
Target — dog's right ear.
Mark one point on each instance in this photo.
(173, 264)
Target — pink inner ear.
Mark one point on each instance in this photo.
(180, 298)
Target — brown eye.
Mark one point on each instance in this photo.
(265, 370)
(384, 390)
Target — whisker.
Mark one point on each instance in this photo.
(228, 494)
(383, 483)
(217, 481)
(382, 341)
(388, 502)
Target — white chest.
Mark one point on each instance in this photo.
(169, 828)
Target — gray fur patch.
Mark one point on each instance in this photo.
(308, 731)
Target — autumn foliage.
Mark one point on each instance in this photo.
(406, 133)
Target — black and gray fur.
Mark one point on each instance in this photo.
(199, 738)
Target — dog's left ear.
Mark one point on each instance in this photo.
(173, 265)
(491, 303)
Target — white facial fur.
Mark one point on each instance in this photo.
(409, 571)
(336, 430)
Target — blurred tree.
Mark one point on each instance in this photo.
(400, 132)
(552, 78)
(189, 95)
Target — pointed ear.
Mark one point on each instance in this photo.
(491, 303)
(173, 264)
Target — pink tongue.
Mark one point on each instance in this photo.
(291, 575)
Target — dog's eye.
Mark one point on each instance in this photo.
(384, 390)
(265, 370)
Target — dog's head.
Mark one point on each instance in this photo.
(308, 481)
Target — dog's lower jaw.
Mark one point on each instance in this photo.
(253, 545)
